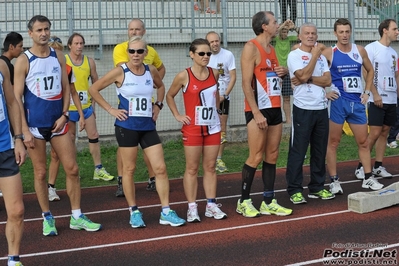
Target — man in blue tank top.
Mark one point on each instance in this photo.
(41, 80)
(346, 60)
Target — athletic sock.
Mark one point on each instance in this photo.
(76, 213)
(248, 174)
(359, 165)
(377, 164)
(165, 210)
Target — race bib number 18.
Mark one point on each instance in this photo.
(140, 106)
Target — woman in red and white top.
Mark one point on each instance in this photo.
(201, 127)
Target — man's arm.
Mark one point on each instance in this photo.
(14, 114)
(369, 79)
(304, 75)
(66, 93)
(20, 71)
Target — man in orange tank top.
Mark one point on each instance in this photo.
(261, 83)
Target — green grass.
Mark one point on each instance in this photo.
(234, 156)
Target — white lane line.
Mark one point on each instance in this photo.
(308, 262)
(159, 205)
(45, 253)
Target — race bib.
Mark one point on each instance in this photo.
(45, 87)
(140, 106)
(389, 83)
(274, 86)
(352, 84)
(83, 97)
(205, 116)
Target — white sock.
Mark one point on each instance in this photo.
(165, 210)
(192, 205)
(210, 204)
(76, 213)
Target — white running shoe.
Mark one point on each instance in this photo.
(192, 215)
(380, 171)
(372, 183)
(215, 212)
(52, 194)
(335, 188)
(392, 144)
(359, 173)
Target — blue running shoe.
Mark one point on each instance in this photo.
(136, 219)
(171, 219)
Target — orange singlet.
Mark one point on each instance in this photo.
(265, 84)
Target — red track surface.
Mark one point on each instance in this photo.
(299, 239)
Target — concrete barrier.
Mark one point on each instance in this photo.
(364, 202)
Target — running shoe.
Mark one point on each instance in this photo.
(335, 187)
(151, 185)
(19, 263)
(84, 223)
(119, 190)
(192, 215)
(392, 144)
(210, 11)
(102, 174)
(171, 219)
(359, 173)
(136, 219)
(52, 194)
(323, 194)
(297, 198)
(220, 166)
(223, 139)
(372, 183)
(215, 212)
(382, 172)
(274, 208)
(49, 226)
(247, 209)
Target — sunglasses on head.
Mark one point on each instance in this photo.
(51, 40)
(133, 51)
(203, 53)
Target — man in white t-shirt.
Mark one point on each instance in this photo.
(310, 75)
(380, 119)
(224, 61)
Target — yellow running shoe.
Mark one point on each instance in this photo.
(274, 208)
(247, 209)
(102, 174)
(220, 166)
(223, 138)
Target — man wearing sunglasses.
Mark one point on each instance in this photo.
(136, 27)
(224, 61)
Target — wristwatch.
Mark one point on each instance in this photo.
(66, 114)
(159, 104)
(219, 111)
(367, 92)
(226, 96)
(19, 136)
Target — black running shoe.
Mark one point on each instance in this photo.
(151, 185)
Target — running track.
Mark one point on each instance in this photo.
(299, 239)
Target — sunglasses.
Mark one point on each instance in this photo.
(56, 39)
(139, 51)
(203, 53)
